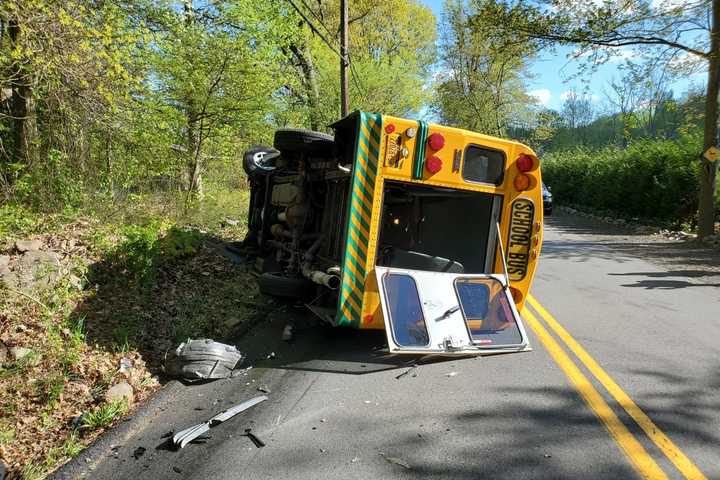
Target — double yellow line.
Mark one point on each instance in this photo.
(636, 453)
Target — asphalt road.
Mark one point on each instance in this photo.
(623, 382)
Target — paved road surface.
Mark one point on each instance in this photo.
(644, 320)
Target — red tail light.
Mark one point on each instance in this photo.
(436, 141)
(433, 164)
(524, 163)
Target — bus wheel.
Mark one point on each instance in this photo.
(276, 284)
(297, 140)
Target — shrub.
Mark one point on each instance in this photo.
(650, 179)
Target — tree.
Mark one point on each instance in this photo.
(216, 66)
(598, 28)
(391, 49)
(484, 66)
(64, 66)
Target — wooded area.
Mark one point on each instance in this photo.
(104, 99)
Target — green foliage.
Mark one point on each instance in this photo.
(484, 66)
(104, 415)
(651, 179)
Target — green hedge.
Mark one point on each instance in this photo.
(649, 179)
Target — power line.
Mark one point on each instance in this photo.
(314, 28)
(353, 71)
(317, 17)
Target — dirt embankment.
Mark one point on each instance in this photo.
(86, 315)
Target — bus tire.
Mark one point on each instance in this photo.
(298, 140)
(254, 162)
(276, 284)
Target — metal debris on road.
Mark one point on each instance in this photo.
(409, 370)
(258, 443)
(396, 461)
(184, 437)
(139, 452)
(202, 359)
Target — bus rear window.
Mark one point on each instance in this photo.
(483, 165)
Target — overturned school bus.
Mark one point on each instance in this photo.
(430, 232)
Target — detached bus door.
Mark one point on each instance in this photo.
(449, 313)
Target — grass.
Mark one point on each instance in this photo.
(104, 415)
(138, 278)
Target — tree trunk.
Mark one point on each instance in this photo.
(304, 61)
(22, 105)
(706, 210)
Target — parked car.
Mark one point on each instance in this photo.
(547, 200)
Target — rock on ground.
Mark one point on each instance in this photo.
(35, 269)
(120, 391)
(24, 246)
(18, 353)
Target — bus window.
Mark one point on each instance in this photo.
(483, 165)
(406, 315)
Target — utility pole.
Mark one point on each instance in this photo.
(344, 63)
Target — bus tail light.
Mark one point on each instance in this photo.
(436, 141)
(521, 182)
(433, 164)
(524, 163)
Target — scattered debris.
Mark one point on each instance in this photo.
(202, 359)
(242, 371)
(322, 420)
(258, 443)
(287, 333)
(270, 355)
(367, 402)
(125, 366)
(263, 389)
(120, 391)
(177, 469)
(409, 370)
(396, 461)
(184, 437)
(451, 374)
(355, 460)
(547, 455)
(322, 450)
(138, 452)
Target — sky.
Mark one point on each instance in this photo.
(551, 74)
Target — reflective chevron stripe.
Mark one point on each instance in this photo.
(355, 268)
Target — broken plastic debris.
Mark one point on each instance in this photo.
(184, 437)
(125, 366)
(202, 359)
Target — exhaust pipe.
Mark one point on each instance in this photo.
(322, 278)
